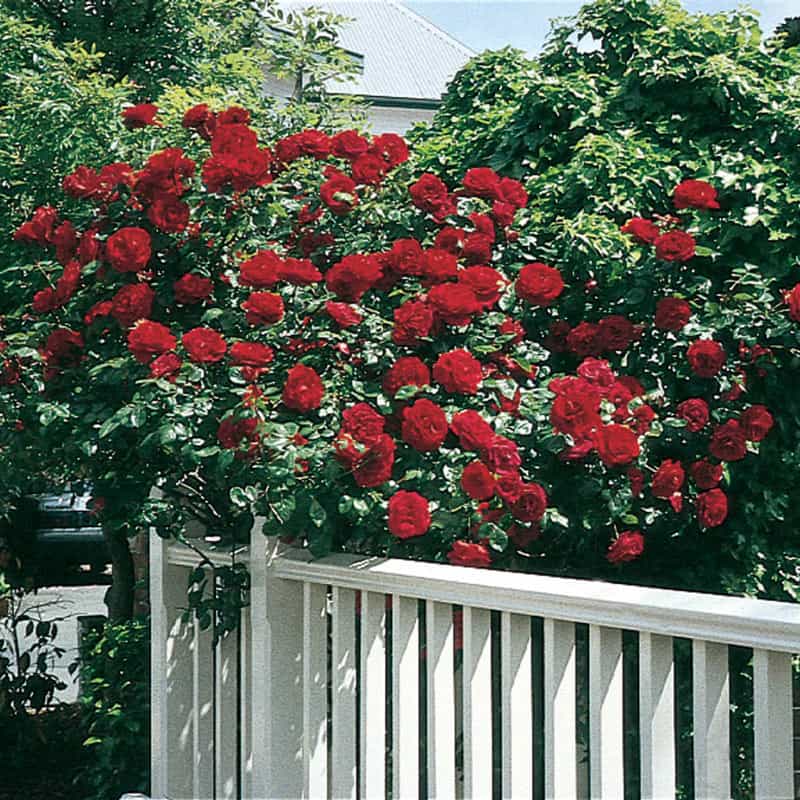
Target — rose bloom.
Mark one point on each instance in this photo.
(39, 228)
(363, 423)
(477, 481)
(695, 412)
(472, 430)
(354, 275)
(339, 194)
(391, 148)
(584, 339)
(643, 230)
(424, 426)
(169, 214)
(668, 479)
(349, 145)
(438, 266)
(706, 357)
(201, 119)
(539, 284)
(487, 284)
(756, 422)
(450, 239)
(132, 303)
(429, 193)
(299, 272)
(413, 320)
(409, 514)
(250, 354)
(502, 456)
(204, 345)
(128, 250)
(675, 246)
(148, 339)
(636, 479)
(728, 442)
(232, 432)
(262, 271)
(628, 546)
(705, 474)
(140, 116)
(344, 315)
(191, 288)
(477, 248)
(792, 299)
(712, 508)
(263, 308)
(615, 332)
(531, 503)
(695, 194)
(303, 390)
(469, 554)
(166, 366)
(454, 303)
(369, 169)
(81, 184)
(482, 182)
(407, 371)
(616, 445)
(374, 467)
(458, 372)
(672, 314)
(597, 371)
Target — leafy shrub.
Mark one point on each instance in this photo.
(115, 703)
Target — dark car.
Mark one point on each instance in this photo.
(59, 531)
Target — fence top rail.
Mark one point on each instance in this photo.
(740, 621)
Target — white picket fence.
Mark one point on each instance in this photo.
(331, 691)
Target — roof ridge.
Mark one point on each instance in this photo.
(431, 26)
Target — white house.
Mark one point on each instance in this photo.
(405, 60)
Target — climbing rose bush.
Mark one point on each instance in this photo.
(316, 333)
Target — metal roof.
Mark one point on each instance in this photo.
(405, 55)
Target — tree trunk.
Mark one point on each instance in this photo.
(119, 597)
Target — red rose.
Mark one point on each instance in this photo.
(477, 481)
(429, 193)
(530, 504)
(675, 246)
(584, 339)
(705, 474)
(339, 194)
(374, 467)
(706, 357)
(409, 514)
(469, 554)
(132, 303)
(482, 182)
(354, 275)
(672, 314)
(712, 508)
(472, 430)
(303, 390)
(597, 371)
(44, 301)
(262, 271)
(165, 366)
(424, 426)
(668, 479)
(513, 193)
(169, 214)
(299, 272)
(39, 228)
(412, 321)
(148, 339)
(232, 432)
(263, 308)
(728, 442)
(636, 478)
(204, 345)
(502, 456)
(477, 248)
(406, 257)
(349, 144)
(407, 371)
(63, 347)
(201, 119)
(643, 230)
(616, 445)
(363, 423)
(792, 299)
(695, 194)
(539, 284)
(344, 315)
(454, 303)
(250, 354)
(458, 371)
(503, 213)
(485, 282)
(695, 412)
(128, 250)
(369, 169)
(615, 332)
(140, 116)
(65, 239)
(756, 422)
(97, 311)
(191, 288)
(576, 408)
(450, 239)
(82, 184)
(628, 546)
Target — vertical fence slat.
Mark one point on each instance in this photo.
(405, 698)
(441, 700)
(711, 709)
(315, 692)
(246, 698)
(372, 714)
(203, 702)
(516, 706)
(477, 691)
(656, 716)
(772, 705)
(226, 722)
(560, 751)
(343, 710)
(605, 713)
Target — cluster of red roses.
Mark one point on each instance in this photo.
(441, 290)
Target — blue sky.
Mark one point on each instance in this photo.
(483, 24)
